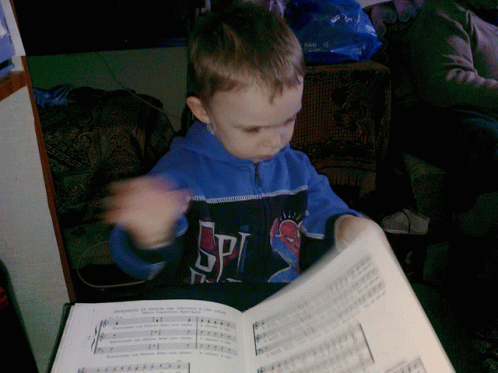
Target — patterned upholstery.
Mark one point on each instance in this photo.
(100, 137)
(344, 123)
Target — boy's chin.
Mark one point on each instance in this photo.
(262, 158)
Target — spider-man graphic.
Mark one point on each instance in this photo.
(286, 242)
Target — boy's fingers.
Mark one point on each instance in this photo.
(113, 204)
(118, 186)
(128, 185)
(110, 216)
(133, 203)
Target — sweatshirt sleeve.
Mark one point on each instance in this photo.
(140, 263)
(443, 54)
(324, 208)
(323, 203)
(312, 249)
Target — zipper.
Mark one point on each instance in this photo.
(256, 174)
(263, 229)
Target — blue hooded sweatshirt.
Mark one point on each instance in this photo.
(263, 222)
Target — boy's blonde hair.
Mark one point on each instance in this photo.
(240, 46)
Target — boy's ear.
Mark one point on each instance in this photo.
(197, 108)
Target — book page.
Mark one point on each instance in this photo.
(355, 313)
(164, 336)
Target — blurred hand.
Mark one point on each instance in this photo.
(146, 209)
(348, 228)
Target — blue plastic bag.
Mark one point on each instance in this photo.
(57, 96)
(332, 31)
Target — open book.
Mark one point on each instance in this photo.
(351, 312)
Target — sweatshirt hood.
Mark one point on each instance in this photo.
(200, 140)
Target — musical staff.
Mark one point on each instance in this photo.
(145, 347)
(166, 346)
(320, 314)
(209, 321)
(178, 367)
(166, 333)
(345, 352)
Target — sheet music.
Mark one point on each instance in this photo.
(320, 314)
(151, 336)
(355, 313)
(165, 333)
(350, 314)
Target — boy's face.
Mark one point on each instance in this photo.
(249, 125)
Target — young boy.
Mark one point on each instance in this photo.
(231, 201)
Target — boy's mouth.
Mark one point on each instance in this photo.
(265, 157)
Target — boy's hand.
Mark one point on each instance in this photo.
(348, 228)
(146, 209)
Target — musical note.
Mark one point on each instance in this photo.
(212, 334)
(217, 348)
